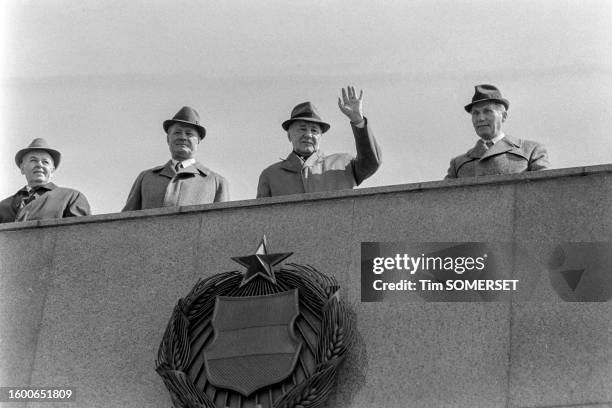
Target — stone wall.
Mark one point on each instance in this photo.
(84, 302)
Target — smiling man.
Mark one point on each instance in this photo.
(182, 180)
(307, 169)
(495, 152)
(40, 199)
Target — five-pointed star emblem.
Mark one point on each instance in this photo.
(261, 263)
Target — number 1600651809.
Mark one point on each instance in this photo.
(8, 394)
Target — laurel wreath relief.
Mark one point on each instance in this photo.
(324, 324)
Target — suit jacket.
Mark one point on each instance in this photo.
(320, 172)
(50, 202)
(162, 186)
(509, 155)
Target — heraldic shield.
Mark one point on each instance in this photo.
(254, 343)
(268, 337)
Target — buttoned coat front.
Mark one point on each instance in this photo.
(193, 185)
(51, 202)
(509, 155)
(320, 172)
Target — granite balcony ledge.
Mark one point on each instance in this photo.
(327, 195)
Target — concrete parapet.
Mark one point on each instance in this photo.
(85, 301)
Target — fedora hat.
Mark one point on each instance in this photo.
(39, 144)
(486, 93)
(189, 116)
(306, 111)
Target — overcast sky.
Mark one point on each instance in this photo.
(98, 78)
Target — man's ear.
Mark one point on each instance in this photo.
(168, 139)
(21, 168)
(504, 116)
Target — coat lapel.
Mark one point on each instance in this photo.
(498, 148)
(166, 170)
(292, 163)
(507, 144)
(478, 150)
(314, 158)
(198, 168)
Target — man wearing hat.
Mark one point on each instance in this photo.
(182, 180)
(495, 152)
(306, 169)
(40, 199)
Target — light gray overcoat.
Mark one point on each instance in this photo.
(509, 155)
(162, 186)
(320, 172)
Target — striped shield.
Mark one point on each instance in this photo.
(254, 344)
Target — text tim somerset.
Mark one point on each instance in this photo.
(433, 264)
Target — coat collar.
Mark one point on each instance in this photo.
(25, 190)
(478, 150)
(294, 163)
(167, 170)
(508, 143)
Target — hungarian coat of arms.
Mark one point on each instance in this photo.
(270, 337)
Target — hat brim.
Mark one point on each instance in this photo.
(201, 129)
(505, 102)
(55, 155)
(324, 125)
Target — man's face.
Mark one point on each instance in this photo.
(304, 136)
(183, 140)
(487, 118)
(37, 166)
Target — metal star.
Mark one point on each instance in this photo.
(261, 263)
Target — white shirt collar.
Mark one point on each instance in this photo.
(496, 138)
(185, 163)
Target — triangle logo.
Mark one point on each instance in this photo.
(572, 277)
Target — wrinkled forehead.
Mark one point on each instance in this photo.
(37, 155)
(303, 124)
(482, 106)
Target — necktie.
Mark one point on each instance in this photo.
(489, 144)
(28, 199)
(171, 198)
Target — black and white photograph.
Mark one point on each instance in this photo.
(266, 204)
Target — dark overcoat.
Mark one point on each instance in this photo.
(50, 201)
